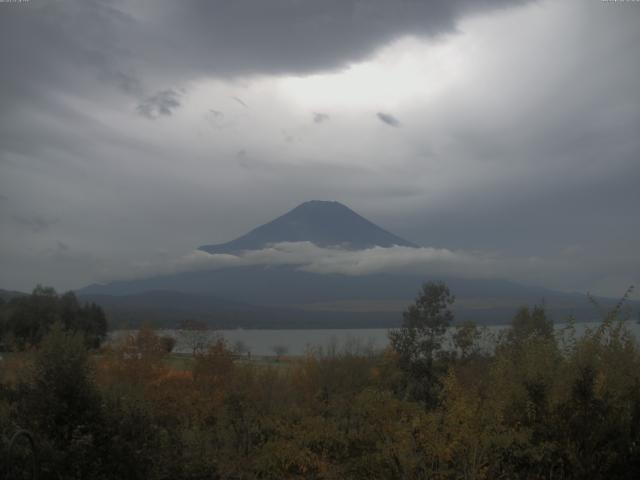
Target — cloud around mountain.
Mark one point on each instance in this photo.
(308, 257)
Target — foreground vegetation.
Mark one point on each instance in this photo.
(538, 405)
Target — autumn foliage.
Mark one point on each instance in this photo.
(537, 404)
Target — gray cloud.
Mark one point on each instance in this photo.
(217, 119)
(34, 223)
(162, 103)
(320, 117)
(388, 119)
(240, 101)
(308, 257)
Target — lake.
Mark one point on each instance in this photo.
(298, 342)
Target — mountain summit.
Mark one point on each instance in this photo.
(319, 222)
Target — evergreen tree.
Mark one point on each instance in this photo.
(418, 343)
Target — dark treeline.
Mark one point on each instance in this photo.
(26, 319)
(539, 404)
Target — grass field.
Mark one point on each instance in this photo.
(184, 361)
(9, 361)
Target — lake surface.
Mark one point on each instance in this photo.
(299, 342)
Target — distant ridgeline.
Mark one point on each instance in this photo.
(286, 297)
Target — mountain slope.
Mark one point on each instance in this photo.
(319, 222)
(168, 309)
(7, 295)
(262, 297)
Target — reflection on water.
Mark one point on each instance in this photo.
(298, 342)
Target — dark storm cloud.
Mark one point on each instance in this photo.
(388, 119)
(92, 49)
(134, 45)
(63, 45)
(281, 36)
(160, 104)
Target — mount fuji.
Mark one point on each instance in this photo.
(278, 296)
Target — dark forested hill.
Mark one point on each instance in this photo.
(7, 295)
(270, 297)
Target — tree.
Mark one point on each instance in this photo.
(465, 339)
(418, 343)
(168, 343)
(213, 370)
(29, 318)
(530, 322)
(88, 319)
(62, 405)
(195, 335)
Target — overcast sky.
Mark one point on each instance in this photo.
(133, 131)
